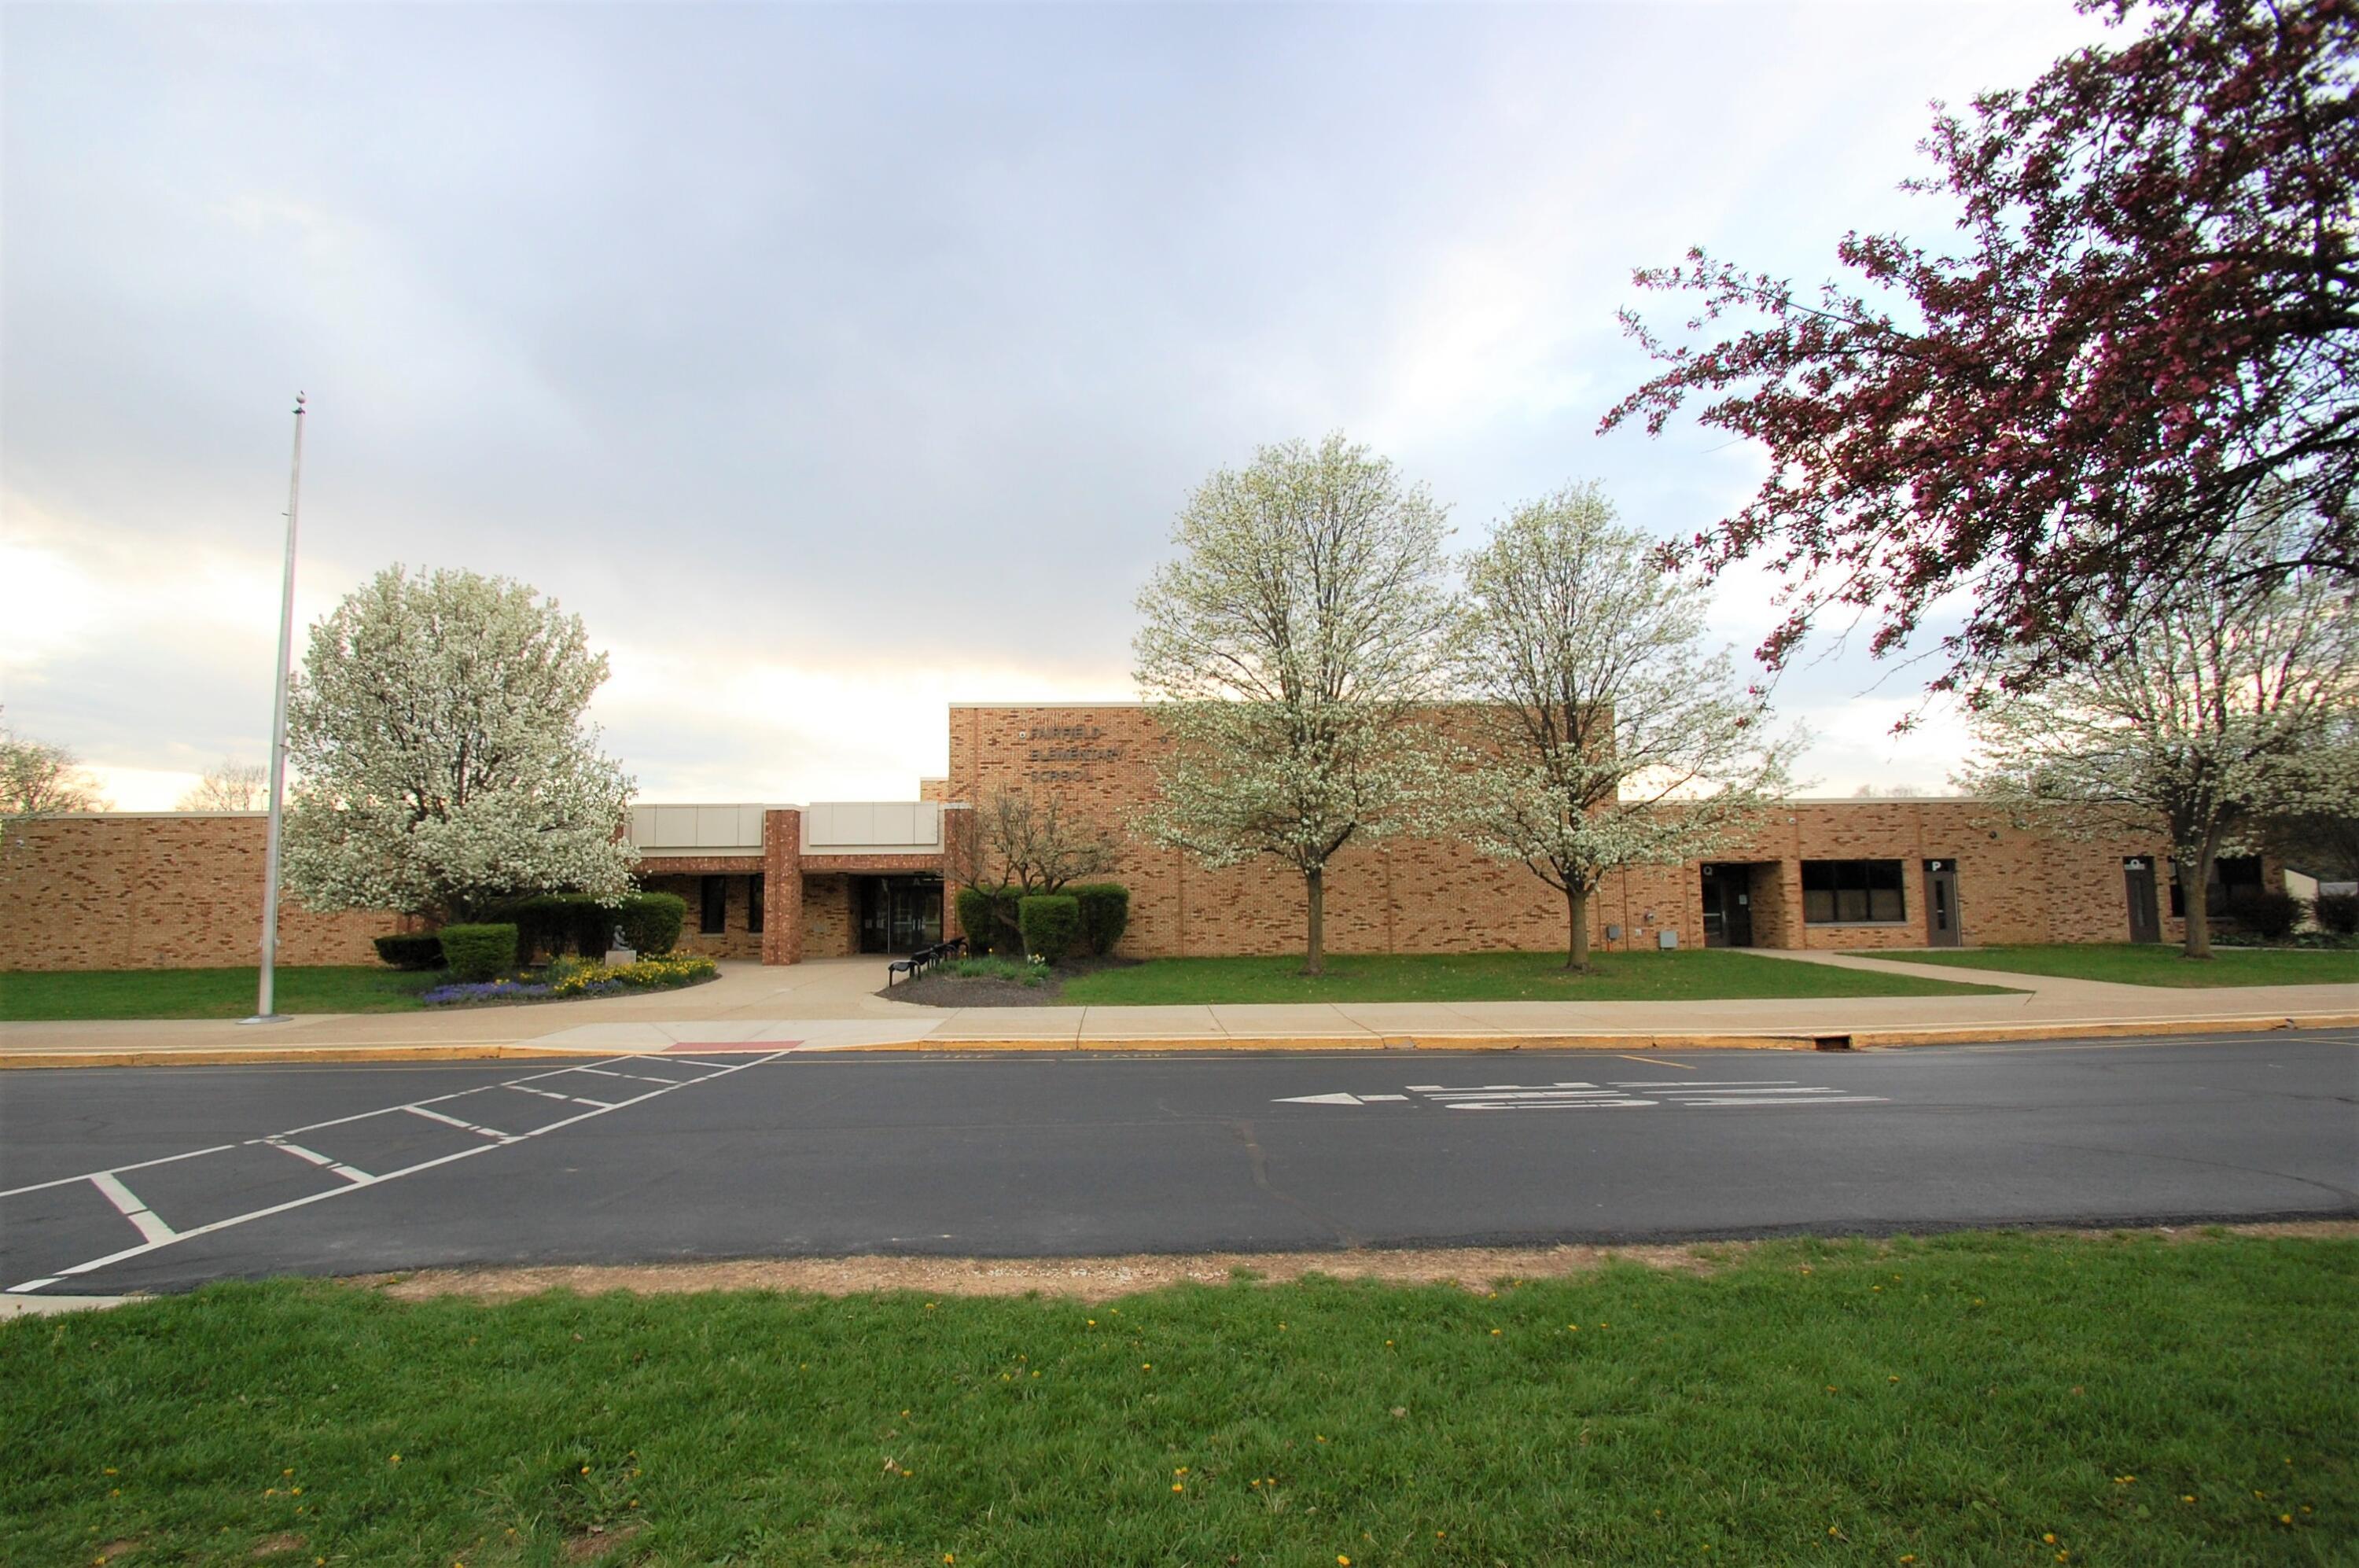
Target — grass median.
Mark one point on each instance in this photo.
(1684, 974)
(1973, 1397)
(45, 995)
(2152, 964)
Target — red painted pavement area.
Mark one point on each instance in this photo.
(703, 1047)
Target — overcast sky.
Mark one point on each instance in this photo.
(838, 363)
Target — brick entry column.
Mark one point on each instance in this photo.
(782, 887)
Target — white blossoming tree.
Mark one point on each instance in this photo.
(1607, 735)
(2226, 707)
(441, 759)
(1291, 643)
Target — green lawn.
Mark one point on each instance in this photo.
(1685, 974)
(1971, 1398)
(207, 993)
(2152, 964)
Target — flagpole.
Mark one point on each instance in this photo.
(262, 1011)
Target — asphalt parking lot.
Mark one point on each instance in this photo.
(114, 1179)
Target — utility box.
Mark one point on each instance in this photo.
(1666, 939)
(1614, 933)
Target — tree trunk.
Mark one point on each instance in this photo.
(2195, 896)
(1314, 883)
(1576, 917)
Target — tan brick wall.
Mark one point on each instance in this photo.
(126, 891)
(1423, 896)
(830, 924)
(740, 940)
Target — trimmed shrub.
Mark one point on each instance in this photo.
(549, 924)
(479, 952)
(589, 924)
(411, 950)
(651, 922)
(2337, 912)
(2270, 915)
(976, 917)
(1106, 914)
(1051, 923)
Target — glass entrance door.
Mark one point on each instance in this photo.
(899, 914)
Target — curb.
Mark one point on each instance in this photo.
(1639, 1039)
(1636, 1039)
(289, 1055)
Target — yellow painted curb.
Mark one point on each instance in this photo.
(1860, 1039)
(254, 1056)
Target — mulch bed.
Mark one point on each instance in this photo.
(942, 989)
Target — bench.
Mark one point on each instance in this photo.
(918, 962)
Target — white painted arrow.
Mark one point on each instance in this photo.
(1320, 1100)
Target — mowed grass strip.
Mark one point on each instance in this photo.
(1970, 1399)
(28, 995)
(1681, 976)
(2152, 964)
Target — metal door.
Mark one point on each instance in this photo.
(1727, 906)
(2137, 879)
(1942, 927)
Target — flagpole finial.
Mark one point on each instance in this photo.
(298, 402)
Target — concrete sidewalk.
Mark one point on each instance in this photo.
(829, 1005)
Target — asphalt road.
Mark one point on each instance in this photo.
(114, 1179)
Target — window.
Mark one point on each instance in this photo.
(2233, 876)
(716, 906)
(753, 903)
(1847, 892)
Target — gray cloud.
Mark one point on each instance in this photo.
(854, 340)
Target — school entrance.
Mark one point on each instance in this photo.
(1727, 904)
(899, 914)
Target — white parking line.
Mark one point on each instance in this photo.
(168, 1236)
(112, 1169)
(573, 1099)
(142, 1218)
(454, 1121)
(416, 1106)
(316, 1157)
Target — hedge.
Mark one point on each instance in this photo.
(411, 950)
(477, 953)
(1051, 923)
(974, 918)
(551, 923)
(2270, 915)
(1106, 914)
(2337, 912)
(651, 922)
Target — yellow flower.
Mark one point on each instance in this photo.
(1147, 1367)
(2050, 1538)
(1343, 1560)
(1177, 1487)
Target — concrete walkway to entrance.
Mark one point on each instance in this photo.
(830, 1005)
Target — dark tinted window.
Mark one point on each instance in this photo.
(753, 903)
(716, 906)
(1836, 891)
(2232, 875)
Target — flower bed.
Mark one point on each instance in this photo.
(565, 978)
